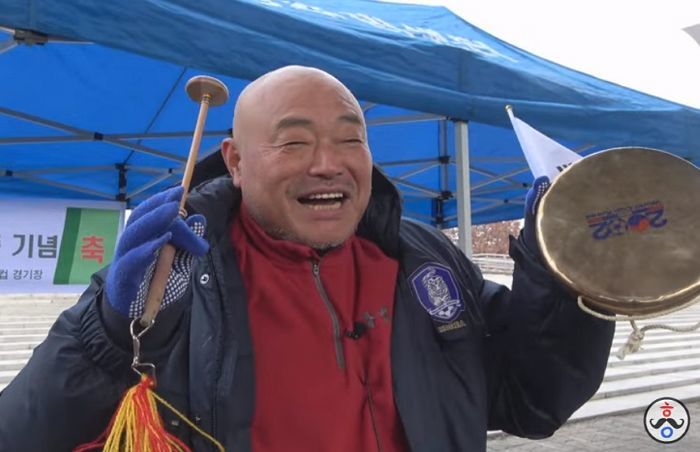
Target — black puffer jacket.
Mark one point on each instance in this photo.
(521, 360)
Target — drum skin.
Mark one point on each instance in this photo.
(621, 227)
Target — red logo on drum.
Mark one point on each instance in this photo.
(638, 218)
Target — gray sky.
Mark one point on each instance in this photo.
(635, 43)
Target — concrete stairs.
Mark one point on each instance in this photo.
(24, 323)
(668, 365)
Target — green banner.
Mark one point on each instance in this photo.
(89, 238)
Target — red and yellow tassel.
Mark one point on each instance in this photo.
(137, 427)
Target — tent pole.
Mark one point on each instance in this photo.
(464, 217)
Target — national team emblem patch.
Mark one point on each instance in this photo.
(437, 292)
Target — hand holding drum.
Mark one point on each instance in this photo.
(621, 228)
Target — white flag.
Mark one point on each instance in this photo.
(545, 156)
(694, 32)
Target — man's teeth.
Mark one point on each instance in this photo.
(324, 201)
(332, 206)
(326, 196)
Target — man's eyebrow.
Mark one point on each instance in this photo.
(352, 118)
(292, 121)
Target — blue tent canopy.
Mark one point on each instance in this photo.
(92, 101)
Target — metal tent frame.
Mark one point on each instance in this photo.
(69, 127)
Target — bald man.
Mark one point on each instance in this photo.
(311, 316)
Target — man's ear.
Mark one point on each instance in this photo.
(232, 159)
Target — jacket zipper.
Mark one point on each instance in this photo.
(372, 416)
(220, 343)
(337, 339)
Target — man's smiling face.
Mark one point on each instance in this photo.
(300, 156)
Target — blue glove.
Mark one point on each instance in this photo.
(532, 199)
(151, 225)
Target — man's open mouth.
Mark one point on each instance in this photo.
(323, 201)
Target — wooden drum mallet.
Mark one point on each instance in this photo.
(207, 91)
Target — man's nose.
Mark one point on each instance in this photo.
(327, 161)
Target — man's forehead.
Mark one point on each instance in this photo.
(297, 73)
(284, 93)
(291, 121)
(298, 78)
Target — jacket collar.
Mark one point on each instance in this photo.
(379, 224)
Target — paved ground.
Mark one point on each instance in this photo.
(608, 433)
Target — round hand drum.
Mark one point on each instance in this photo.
(621, 228)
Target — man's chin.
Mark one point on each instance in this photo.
(319, 242)
(322, 245)
(321, 235)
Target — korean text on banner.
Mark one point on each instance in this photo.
(55, 245)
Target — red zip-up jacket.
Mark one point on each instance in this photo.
(321, 329)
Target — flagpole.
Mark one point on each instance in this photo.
(464, 210)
